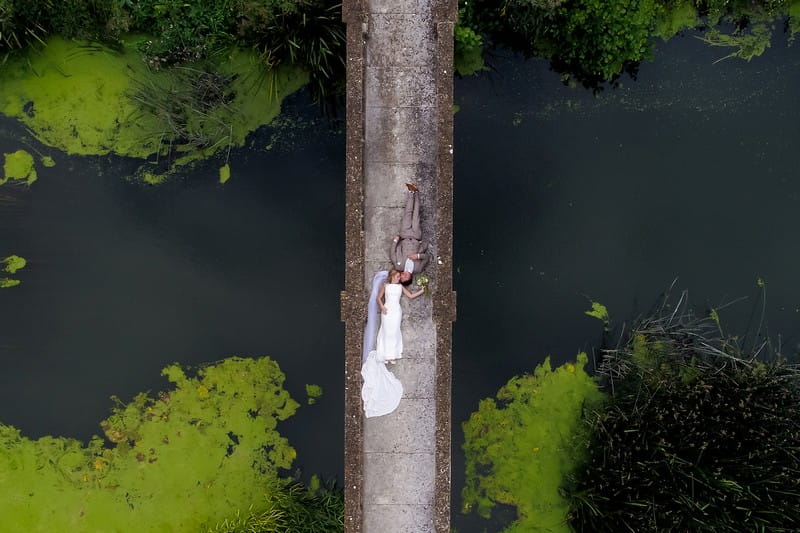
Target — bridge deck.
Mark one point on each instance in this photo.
(399, 130)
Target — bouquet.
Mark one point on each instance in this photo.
(423, 281)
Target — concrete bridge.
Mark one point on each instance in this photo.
(399, 130)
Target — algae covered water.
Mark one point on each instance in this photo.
(124, 278)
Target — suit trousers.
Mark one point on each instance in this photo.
(409, 227)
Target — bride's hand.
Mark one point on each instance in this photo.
(384, 310)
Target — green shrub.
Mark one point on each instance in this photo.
(91, 20)
(672, 17)
(183, 31)
(22, 21)
(308, 34)
(468, 53)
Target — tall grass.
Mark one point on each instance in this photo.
(702, 433)
(293, 508)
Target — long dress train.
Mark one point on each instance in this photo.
(381, 391)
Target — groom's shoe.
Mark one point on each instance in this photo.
(412, 187)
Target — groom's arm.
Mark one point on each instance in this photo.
(422, 255)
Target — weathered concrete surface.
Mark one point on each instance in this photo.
(399, 130)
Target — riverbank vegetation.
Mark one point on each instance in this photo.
(205, 455)
(166, 81)
(170, 81)
(596, 41)
(697, 431)
(307, 34)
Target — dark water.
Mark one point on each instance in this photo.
(689, 172)
(124, 279)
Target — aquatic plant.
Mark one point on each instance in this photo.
(20, 22)
(292, 508)
(746, 45)
(468, 52)
(314, 392)
(18, 166)
(182, 461)
(224, 173)
(90, 100)
(12, 263)
(600, 312)
(191, 105)
(593, 42)
(308, 34)
(183, 31)
(27, 22)
(698, 434)
(521, 447)
(673, 17)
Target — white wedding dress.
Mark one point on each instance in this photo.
(390, 340)
(381, 391)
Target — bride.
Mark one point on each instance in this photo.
(382, 391)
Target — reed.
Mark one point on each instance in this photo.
(187, 105)
(702, 432)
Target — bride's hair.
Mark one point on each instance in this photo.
(392, 272)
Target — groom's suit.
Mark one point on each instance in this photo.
(410, 241)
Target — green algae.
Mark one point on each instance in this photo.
(48, 161)
(521, 448)
(154, 179)
(313, 392)
(180, 462)
(19, 166)
(79, 98)
(224, 173)
(73, 97)
(13, 263)
(600, 312)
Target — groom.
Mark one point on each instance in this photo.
(409, 251)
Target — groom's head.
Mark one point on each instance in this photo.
(405, 278)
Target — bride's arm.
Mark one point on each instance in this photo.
(380, 298)
(413, 295)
